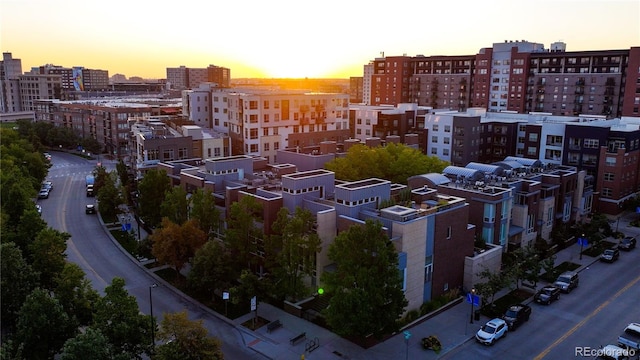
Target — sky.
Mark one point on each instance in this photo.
(296, 39)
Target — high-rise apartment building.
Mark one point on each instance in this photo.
(519, 76)
(10, 71)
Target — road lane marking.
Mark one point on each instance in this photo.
(581, 323)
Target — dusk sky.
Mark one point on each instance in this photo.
(279, 38)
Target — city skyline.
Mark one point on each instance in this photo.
(277, 40)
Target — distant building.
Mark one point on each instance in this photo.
(182, 78)
(10, 71)
(518, 76)
(355, 89)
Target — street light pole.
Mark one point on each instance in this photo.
(473, 293)
(153, 335)
(407, 335)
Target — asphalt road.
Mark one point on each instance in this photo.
(592, 315)
(92, 249)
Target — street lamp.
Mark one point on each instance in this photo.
(473, 293)
(153, 335)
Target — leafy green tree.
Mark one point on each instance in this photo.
(43, 326)
(522, 264)
(177, 244)
(91, 145)
(366, 287)
(185, 339)
(15, 193)
(298, 245)
(17, 280)
(211, 269)
(91, 344)
(109, 198)
(23, 235)
(101, 176)
(75, 294)
(118, 317)
(249, 285)
(49, 258)
(494, 282)
(152, 189)
(205, 212)
(394, 162)
(175, 206)
(242, 235)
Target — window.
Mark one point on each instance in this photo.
(216, 152)
(253, 118)
(266, 146)
(253, 105)
(606, 192)
(265, 131)
(591, 143)
(445, 152)
(434, 139)
(167, 155)
(254, 148)
(182, 153)
(276, 145)
(434, 151)
(435, 127)
(447, 128)
(449, 232)
(265, 118)
(489, 213)
(265, 104)
(609, 176)
(610, 161)
(533, 137)
(532, 150)
(428, 268)
(253, 134)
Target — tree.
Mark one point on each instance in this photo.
(17, 281)
(152, 189)
(242, 235)
(522, 264)
(211, 269)
(92, 344)
(205, 212)
(186, 340)
(75, 294)
(118, 317)
(296, 243)
(177, 244)
(366, 287)
(249, 285)
(175, 206)
(495, 281)
(109, 197)
(48, 255)
(394, 162)
(43, 326)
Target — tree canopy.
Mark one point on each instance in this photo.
(152, 189)
(177, 244)
(393, 162)
(185, 339)
(366, 286)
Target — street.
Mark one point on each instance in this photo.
(92, 249)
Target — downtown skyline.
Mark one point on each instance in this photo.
(278, 39)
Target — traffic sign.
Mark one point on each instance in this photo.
(254, 304)
(582, 241)
(473, 298)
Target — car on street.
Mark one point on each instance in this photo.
(547, 295)
(43, 194)
(613, 352)
(610, 255)
(492, 331)
(516, 315)
(567, 281)
(47, 156)
(39, 208)
(47, 185)
(627, 243)
(90, 209)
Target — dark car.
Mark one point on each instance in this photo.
(610, 255)
(90, 209)
(516, 315)
(547, 294)
(627, 243)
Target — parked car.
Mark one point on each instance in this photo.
(613, 352)
(567, 281)
(44, 194)
(630, 338)
(47, 185)
(627, 243)
(610, 255)
(39, 208)
(47, 156)
(90, 209)
(547, 294)
(516, 315)
(493, 330)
